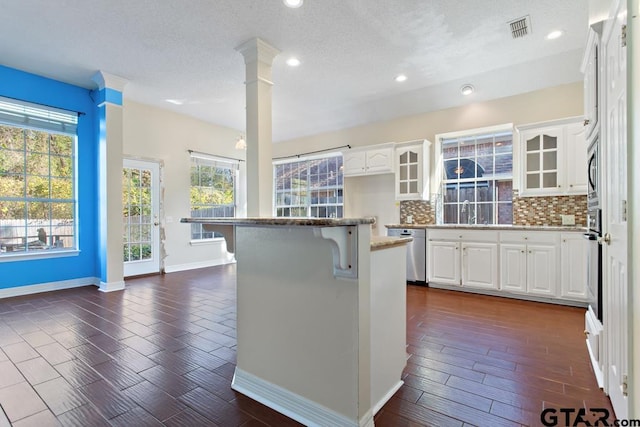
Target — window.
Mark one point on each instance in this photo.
(37, 194)
(213, 191)
(477, 177)
(309, 188)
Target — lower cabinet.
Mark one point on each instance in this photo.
(573, 258)
(535, 263)
(480, 265)
(528, 263)
(456, 259)
(444, 262)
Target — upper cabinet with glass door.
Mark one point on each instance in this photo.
(412, 170)
(553, 158)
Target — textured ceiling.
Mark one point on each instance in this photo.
(351, 50)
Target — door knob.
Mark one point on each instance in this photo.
(605, 239)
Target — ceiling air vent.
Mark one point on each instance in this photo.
(520, 27)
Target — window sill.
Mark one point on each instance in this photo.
(204, 242)
(30, 256)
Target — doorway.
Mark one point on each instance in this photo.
(140, 215)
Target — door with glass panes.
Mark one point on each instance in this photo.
(140, 215)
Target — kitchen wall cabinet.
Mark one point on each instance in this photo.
(590, 64)
(573, 258)
(375, 159)
(467, 258)
(412, 170)
(553, 158)
(528, 262)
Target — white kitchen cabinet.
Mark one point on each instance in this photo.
(444, 262)
(480, 265)
(573, 255)
(576, 159)
(541, 270)
(375, 159)
(513, 271)
(467, 258)
(412, 170)
(590, 64)
(553, 158)
(529, 262)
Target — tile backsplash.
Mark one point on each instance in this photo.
(547, 210)
(526, 210)
(422, 212)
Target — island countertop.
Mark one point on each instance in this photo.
(497, 227)
(383, 242)
(280, 221)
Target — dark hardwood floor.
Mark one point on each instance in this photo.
(162, 352)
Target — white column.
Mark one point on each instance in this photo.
(258, 58)
(108, 100)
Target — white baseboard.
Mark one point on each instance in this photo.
(386, 397)
(47, 287)
(194, 265)
(111, 286)
(292, 405)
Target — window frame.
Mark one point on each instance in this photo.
(234, 166)
(308, 205)
(440, 174)
(50, 121)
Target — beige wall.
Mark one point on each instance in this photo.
(160, 135)
(547, 104)
(375, 195)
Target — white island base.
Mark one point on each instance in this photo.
(321, 319)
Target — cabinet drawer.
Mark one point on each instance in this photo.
(525, 237)
(463, 235)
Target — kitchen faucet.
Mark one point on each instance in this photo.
(471, 219)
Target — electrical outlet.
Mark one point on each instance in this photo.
(568, 219)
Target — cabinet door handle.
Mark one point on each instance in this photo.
(529, 251)
(522, 251)
(586, 122)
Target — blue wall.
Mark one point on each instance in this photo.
(29, 87)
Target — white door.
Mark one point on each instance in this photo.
(614, 212)
(140, 214)
(380, 160)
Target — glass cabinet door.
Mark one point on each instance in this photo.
(541, 161)
(408, 168)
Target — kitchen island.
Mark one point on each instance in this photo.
(321, 323)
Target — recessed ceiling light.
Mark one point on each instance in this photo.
(555, 34)
(401, 78)
(467, 90)
(175, 101)
(293, 62)
(293, 3)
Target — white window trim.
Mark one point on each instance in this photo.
(436, 183)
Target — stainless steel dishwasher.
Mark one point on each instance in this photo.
(416, 253)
